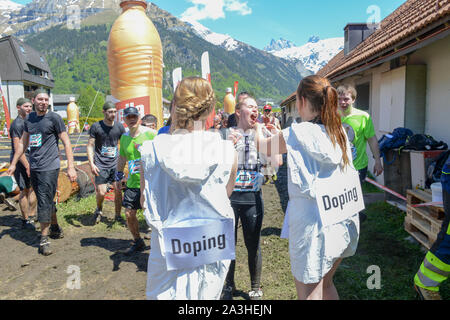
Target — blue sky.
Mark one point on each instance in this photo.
(256, 22)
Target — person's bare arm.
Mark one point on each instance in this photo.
(23, 158)
(274, 145)
(374, 147)
(69, 155)
(90, 153)
(120, 166)
(19, 152)
(232, 181)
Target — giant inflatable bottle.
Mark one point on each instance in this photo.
(135, 62)
(73, 117)
(229, 102)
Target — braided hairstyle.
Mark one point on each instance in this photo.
(194, 100)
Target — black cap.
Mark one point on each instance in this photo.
(130, 111)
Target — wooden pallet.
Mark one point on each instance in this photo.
(423, 223)
(424, 196)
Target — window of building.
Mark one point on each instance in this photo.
(363, 98)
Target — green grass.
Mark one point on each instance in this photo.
(78, 214)
(382, 243)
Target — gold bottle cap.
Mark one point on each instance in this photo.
(131, 2)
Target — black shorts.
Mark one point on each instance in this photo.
(44, 184)
(22, 179)
(106, 176)
(132, 199)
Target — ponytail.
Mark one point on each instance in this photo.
(332, 122)
(324, 100)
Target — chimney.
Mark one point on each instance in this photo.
(355, 33)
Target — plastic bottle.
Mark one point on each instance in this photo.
(73, 117)
(135, 60)
(229, 102)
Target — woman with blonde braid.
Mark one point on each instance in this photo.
(187, 179)
(316, 148)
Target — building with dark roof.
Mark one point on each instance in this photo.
(400, 69)
(22, 70)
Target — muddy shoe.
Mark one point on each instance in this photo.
(255, 294)
(425, 294)
(97, 216)
(119, 219)
(8, 202)
(44, 247)
(227, 293)
(28, 225)
(138, 245)
(56, 232)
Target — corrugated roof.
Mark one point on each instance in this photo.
(408, 20)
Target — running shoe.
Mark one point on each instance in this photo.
(119, 219)
(44, 247)
(8, 202)
(425, 294)
(256, 294)
(97, 216)
(227, 293)
(28, 225)
(138, 245)
(56, 232)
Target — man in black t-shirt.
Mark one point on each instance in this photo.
(102, 150)
(42, 131)
(27, 198)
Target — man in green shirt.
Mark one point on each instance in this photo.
(360, 131)
(129, 154)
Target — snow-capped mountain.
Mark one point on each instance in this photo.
(218, 39)
(6, 8)
(6, 5)
(277, 45)
(314, 55)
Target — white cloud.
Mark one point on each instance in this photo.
(214, 9)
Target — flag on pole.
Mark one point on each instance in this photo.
(236, 86)
(206, 74)
(177, 76)
(5, 106)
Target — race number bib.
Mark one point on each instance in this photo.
(109, 152)
(339, 196)
(190, 247)
(35, 140)
(134, 166)
(248, 181)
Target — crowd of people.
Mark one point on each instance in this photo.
(194, 184)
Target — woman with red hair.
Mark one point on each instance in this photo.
(317, 148)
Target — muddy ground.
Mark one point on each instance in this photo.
(107, 274)
(104, 272)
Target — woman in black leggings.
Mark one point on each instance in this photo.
(246, 199)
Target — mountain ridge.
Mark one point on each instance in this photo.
(71, 53)
(313, 55)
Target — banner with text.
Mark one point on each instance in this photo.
(142, 104)
(190, 247)
(339, 196)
